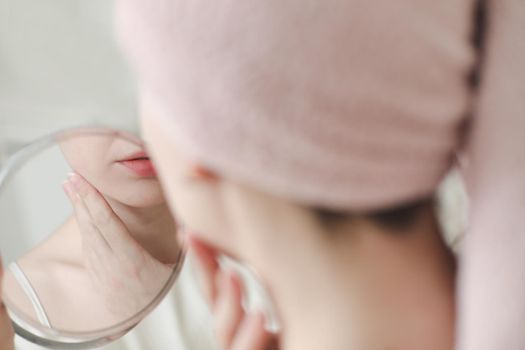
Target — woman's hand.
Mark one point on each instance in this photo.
(127, 276)
(235, 329)
(6, 327)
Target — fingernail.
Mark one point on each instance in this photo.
(74, 178)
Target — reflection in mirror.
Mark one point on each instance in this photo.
(87, 240)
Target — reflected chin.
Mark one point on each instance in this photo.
(140, 200)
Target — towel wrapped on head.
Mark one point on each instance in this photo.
(347, 105)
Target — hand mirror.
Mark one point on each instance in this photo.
(88, 243)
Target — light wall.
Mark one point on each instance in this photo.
(60, 66)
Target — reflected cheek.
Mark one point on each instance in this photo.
(97, 175)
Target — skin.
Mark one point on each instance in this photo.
(115, 253)
(235, 328)
(6, 328)
(96, 157)
(137, 201)
(364, 287)
(353, 286)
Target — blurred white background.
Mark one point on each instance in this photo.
(60, 65)
(33, 205)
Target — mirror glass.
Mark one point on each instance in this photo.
(88, 242)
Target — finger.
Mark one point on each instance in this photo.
(92, 240)
(96, 252)
(228, 311)
(253, 336)
(207, 267)
(102, 215)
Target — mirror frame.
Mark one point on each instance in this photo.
(36, 333)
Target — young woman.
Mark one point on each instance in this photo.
(113, 256)
(307, 140)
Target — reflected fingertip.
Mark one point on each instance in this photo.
(75, 180)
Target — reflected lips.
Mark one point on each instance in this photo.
(140, 164)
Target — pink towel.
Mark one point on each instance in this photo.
(354, 105)
(341, 104)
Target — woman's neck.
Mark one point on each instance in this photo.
(152, 227)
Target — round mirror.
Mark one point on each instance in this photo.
(88, 242)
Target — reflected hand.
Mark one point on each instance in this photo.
(122, 270)
(6, 327)
(235, 329)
